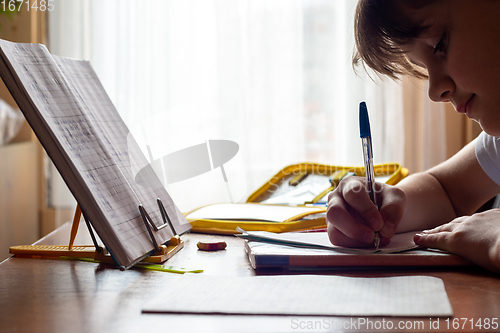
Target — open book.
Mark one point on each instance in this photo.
(77, 124)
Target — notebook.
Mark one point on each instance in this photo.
(319, 295)
(314, 251)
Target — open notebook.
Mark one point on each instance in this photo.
(313, 251)
(320, 240)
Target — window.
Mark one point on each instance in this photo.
(275, 77)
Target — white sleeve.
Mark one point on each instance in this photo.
(488, 155)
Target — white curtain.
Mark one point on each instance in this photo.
(426, 141)
(273, 76)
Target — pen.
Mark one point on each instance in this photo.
(366, 139)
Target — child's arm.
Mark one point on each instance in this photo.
(457, 187)
(463, 181)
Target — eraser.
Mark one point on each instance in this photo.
(211, 246)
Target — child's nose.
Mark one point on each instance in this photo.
(441, 85)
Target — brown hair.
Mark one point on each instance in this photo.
(381, 27)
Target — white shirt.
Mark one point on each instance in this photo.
(488, 155)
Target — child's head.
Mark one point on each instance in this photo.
(454, 43)
(381, 28)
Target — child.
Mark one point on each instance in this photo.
(456, 45)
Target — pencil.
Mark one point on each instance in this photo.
(74, 226)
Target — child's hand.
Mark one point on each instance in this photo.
(352, 218)
(475, 237)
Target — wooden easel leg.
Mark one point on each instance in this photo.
(74, 226)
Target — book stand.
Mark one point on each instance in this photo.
(98, 253)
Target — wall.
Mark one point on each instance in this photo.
(21, 174)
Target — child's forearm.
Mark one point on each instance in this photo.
(456, 187)
(427, 204)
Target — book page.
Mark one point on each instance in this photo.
(123, 152)
(304, 295)
(80, 129)
(399, 243)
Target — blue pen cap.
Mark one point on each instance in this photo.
(364, 122)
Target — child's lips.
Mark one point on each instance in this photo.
(466, 107)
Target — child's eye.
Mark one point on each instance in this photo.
(441, 45)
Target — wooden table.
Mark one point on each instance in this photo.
(40, 295)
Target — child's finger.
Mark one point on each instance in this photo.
(392, 209)
(355, 195)
(338, 238)
(340, 215)
(437, 240)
